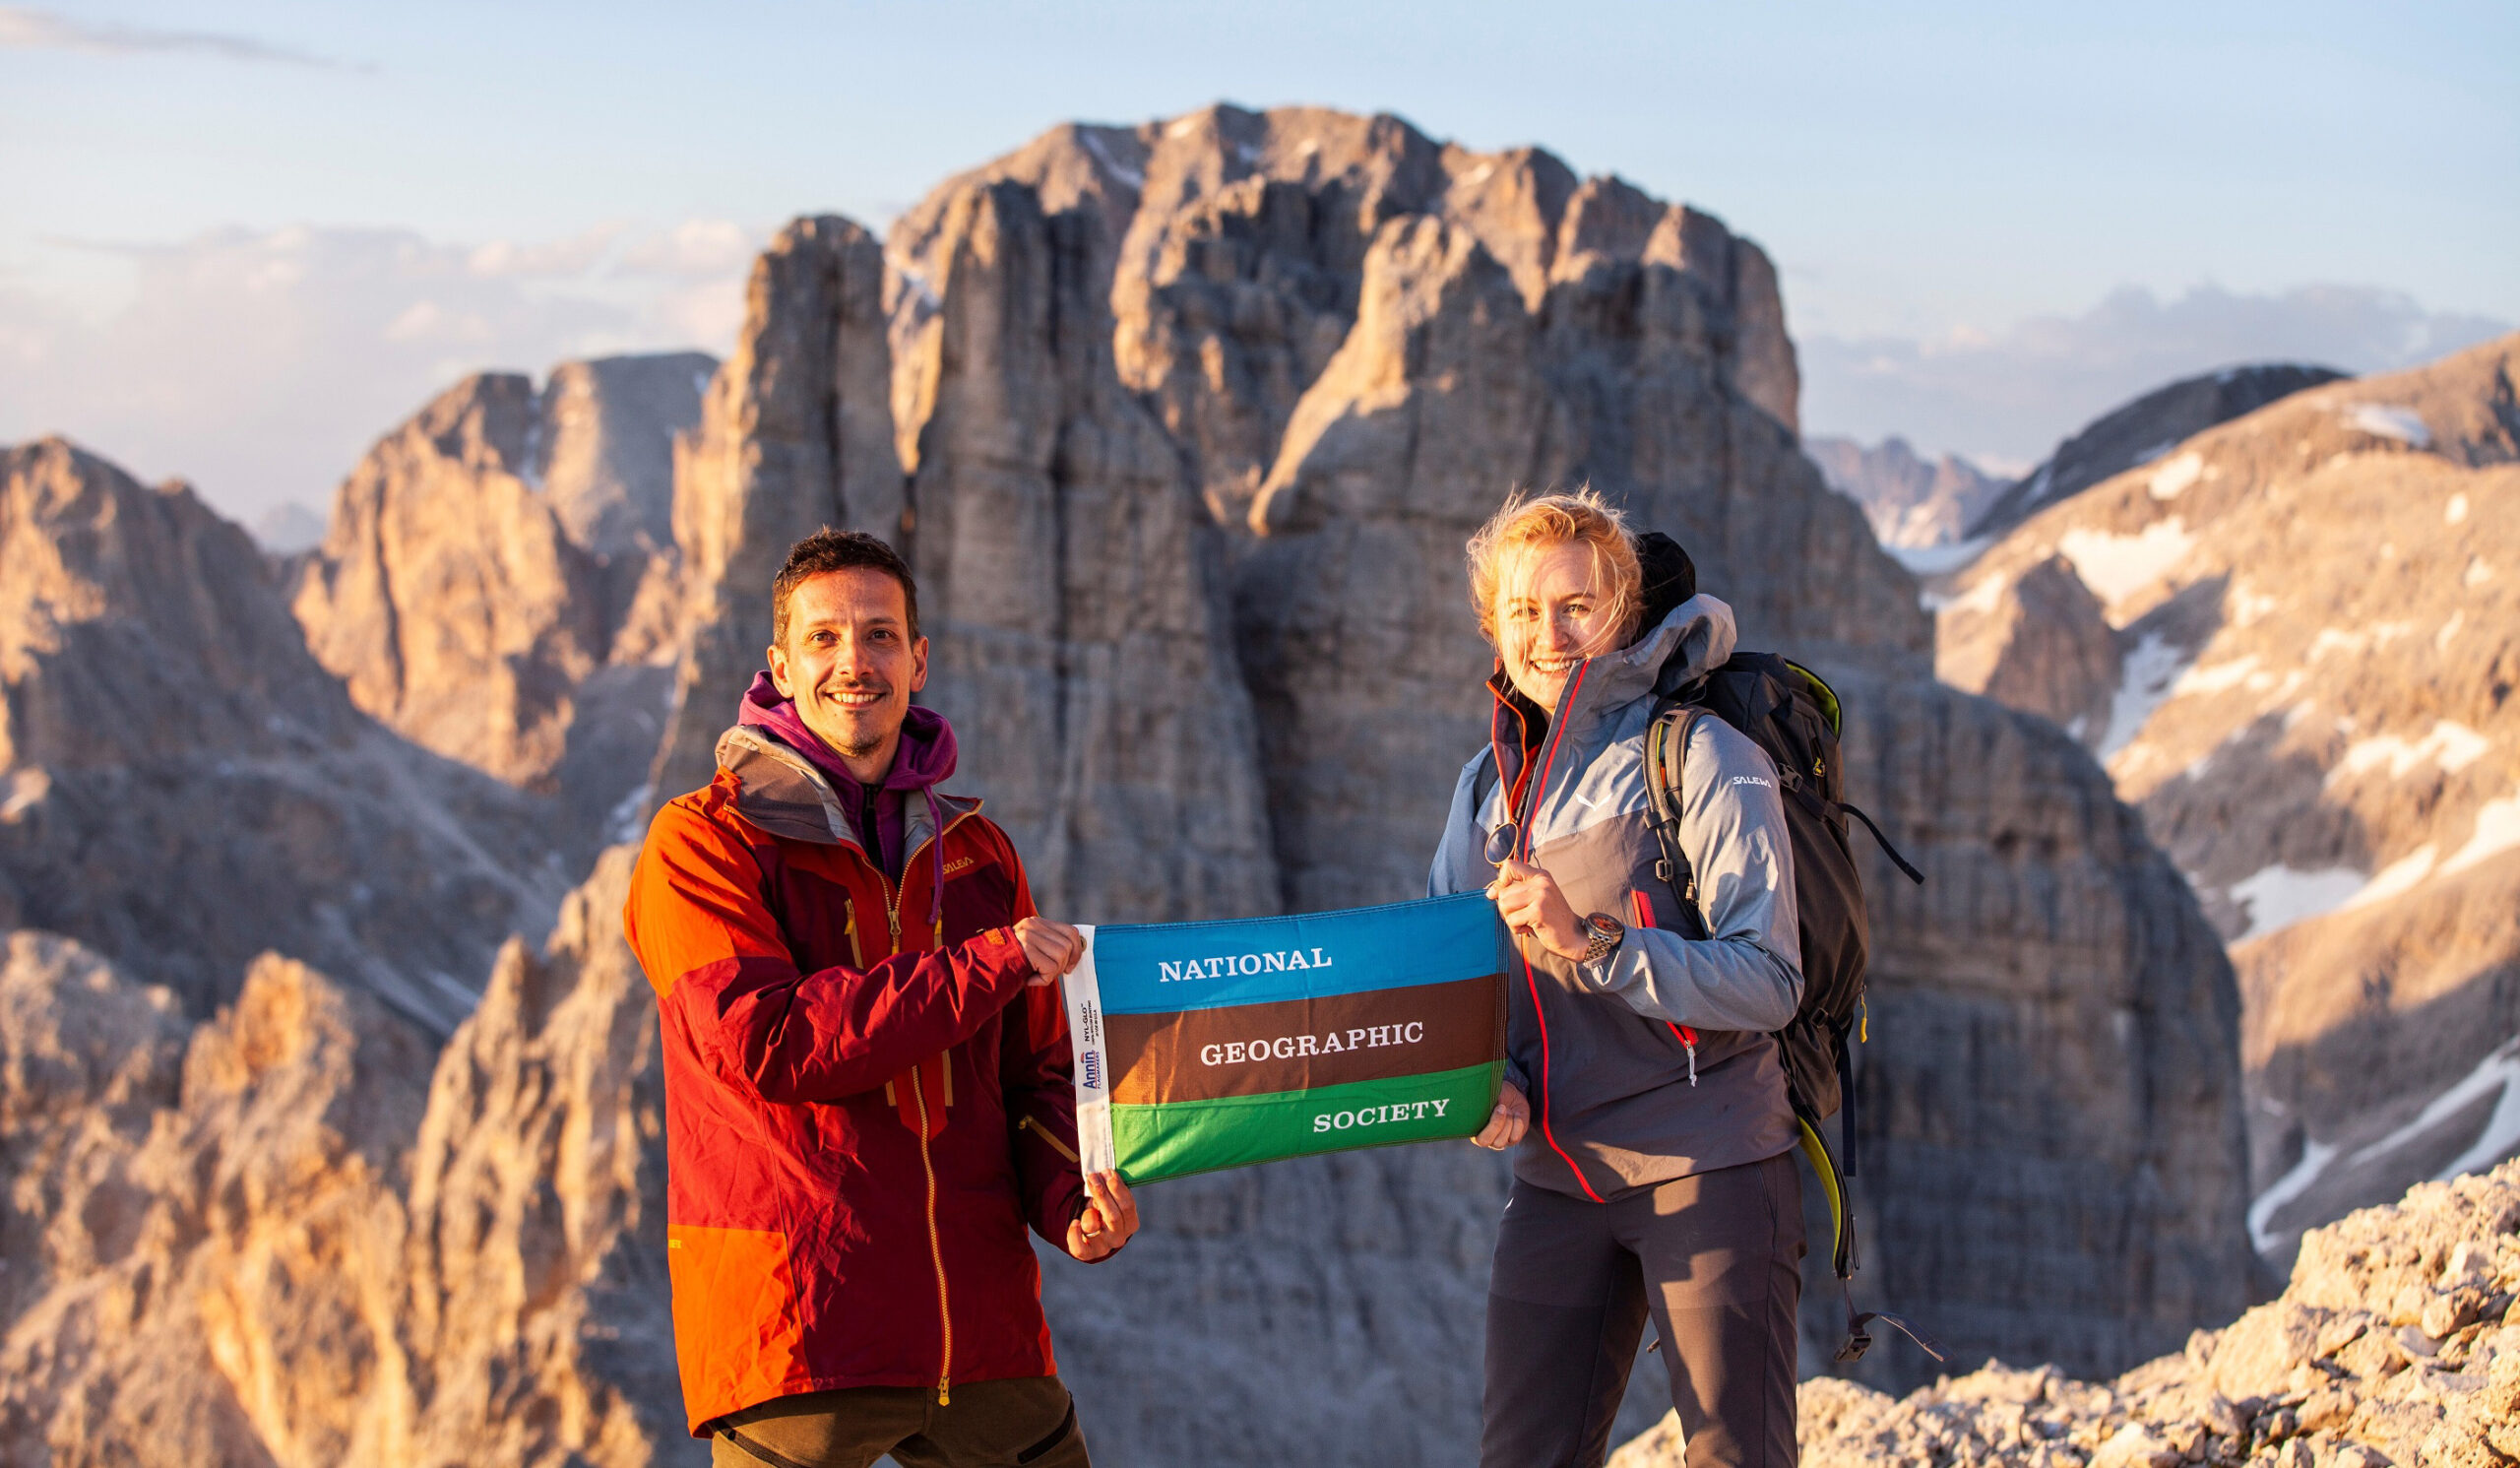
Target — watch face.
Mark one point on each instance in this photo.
(1604, 925)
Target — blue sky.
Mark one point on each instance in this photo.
(242, 239)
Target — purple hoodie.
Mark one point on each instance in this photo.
(925, 761)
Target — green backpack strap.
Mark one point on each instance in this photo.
(1667, 753)
(1841, 1260)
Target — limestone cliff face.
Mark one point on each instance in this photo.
(2039, 641)
(186, 787)
(794, 435)
(501, 572)
(2049, 1138)
(2314, 712)
(286, 1243)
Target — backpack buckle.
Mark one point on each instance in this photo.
(1662, 870)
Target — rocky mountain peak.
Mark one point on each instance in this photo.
(186, 787)
(506, 560)
(2315, 648)
(121, 604)
(1912, 503)
(2140, 431)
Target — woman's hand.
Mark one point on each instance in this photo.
(1507, 1124)
(1109, 1219)
(1529, 901)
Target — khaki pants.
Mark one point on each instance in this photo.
(1713, 1260)
(1029, 1421)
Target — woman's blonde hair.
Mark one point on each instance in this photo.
(1533, 522)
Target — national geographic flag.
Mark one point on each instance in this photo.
(1218, 1045)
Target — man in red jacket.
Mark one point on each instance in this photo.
(867, 1062)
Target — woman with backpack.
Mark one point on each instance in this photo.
(1653, 1178)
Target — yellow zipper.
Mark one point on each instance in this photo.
(935, 1249)
(1056, 1145)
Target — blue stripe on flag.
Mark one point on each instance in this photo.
(1159, 967)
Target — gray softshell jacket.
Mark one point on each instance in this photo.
(1599, 1049)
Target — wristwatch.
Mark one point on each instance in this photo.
(1604, 933)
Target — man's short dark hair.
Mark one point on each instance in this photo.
(827, 550)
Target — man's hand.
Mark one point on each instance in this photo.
(1109, 1218)
(1529, 901)
(1054, 947)
(1507, 1124)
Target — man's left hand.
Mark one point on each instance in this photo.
(1529, 901)
(1109, 1218)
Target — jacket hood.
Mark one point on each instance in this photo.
(925, 758)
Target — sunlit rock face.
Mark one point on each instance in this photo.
(500, 579)
(292, 1239)
(2318, 624)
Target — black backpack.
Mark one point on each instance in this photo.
(1792, 714)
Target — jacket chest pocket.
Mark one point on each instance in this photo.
(1606, 867)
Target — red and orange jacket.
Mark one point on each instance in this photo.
(866, 1100)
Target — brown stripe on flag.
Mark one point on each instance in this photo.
(1295, 1045)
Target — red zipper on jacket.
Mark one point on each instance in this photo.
(1684, 1034)
(1540, 792)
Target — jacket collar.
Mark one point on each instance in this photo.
(784, 794)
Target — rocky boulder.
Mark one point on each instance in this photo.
(185, 786)
(2314, 712)
(2396, 1342)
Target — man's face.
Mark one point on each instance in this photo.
(1552, 612)
(850, 663)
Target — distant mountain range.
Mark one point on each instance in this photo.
(1917, 507)
(1912, 504)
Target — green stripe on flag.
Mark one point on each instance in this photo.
(1175, 1139)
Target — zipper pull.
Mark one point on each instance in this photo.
(944, 1396)
(1692, 1047)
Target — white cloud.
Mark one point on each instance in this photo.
(262, 364)
(25, 29)
(695, 248)
(2015, 393)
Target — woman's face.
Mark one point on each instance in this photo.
(1552, 611)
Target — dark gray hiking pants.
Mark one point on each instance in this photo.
(1029, 1421)
(1713, 1260)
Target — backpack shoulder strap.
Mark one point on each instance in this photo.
(1666, 751)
